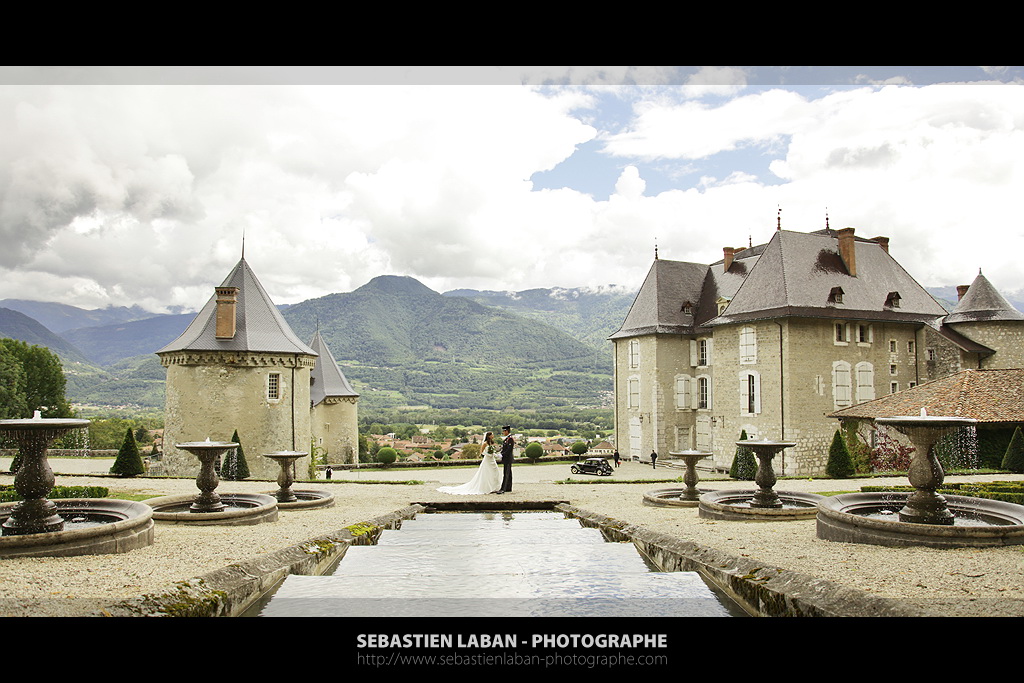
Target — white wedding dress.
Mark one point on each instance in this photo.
(486, 480)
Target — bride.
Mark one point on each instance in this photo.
(486, 479)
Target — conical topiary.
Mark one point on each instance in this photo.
(1014, 458)
(744, 464)
(234, 467)
(840, 463)
(128, 462)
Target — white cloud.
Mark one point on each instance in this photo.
(123, 194)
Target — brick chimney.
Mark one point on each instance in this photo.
(728, 253)
(227, 297)
(961, 290)
(882, 242)
(847, 250)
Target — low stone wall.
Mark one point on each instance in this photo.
(228, 592)
(761, 589)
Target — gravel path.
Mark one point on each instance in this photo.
(960, 582)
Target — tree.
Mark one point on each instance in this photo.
(12, 378)
(234, 467)
(44, 383)
(387, 456)
(840, 464)
(744, 464)
(128, 462)
(579, 448)
(533, 452)
(1014, 458)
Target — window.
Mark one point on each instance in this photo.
(748, 345)
(835, 296)
(894, 387)
(910, 347)
(704, 393)
(841, 335)
(702, 352)
(750, 393)
(682, 392)
(911, 384)
(864, 334)
(892, 300)
(274, 386)
(634, 353)
(841, 394)
(633, 392)
(865, 382)
(892, 346)
(930, 354)
(892, 369)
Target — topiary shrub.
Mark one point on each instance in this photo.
(579, 448)
(128, 462)
(840, 464)
(744, 464)
(387, 456)
(533, 452)
(1014, 458)
(234, 467)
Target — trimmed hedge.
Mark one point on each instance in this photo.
(8, 494)
(1006, 491)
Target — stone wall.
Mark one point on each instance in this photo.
(228, 392)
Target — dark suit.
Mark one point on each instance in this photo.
(506, 463)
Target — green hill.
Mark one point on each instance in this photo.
(400, 343)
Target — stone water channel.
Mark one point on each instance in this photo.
(495, 564)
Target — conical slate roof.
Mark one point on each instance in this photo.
(326, 377)
(983, 302)
(259, 325)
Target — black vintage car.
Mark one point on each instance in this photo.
(592, 466)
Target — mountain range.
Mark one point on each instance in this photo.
(399, 342)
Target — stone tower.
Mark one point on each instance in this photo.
(238, 366)
(333, 417)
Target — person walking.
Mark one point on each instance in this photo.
(654, 460)
(617, 458)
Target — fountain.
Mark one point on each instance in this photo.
(39, 527)
(295, 499)
(923, 517)
(681, 497)
(209, 507)
(764, 504)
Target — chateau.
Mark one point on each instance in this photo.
(239, 366)
(774, 337)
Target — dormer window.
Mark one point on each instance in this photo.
(687, 308)
(723, 303)
(835, 296)
(893, 300)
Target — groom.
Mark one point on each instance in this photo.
(506, 459)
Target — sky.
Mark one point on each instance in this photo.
(126, 186)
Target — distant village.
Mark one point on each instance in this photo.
(424, 448)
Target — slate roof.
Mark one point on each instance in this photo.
(793, 275)
(259, 325)
(327, 379)
(982, 303)
(993, 396)
(658, 306)
(796, 273)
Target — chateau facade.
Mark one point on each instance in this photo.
(773, 338)
(239, 366)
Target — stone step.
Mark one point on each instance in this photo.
(641, 594)
(452, 560)
(502, 536)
